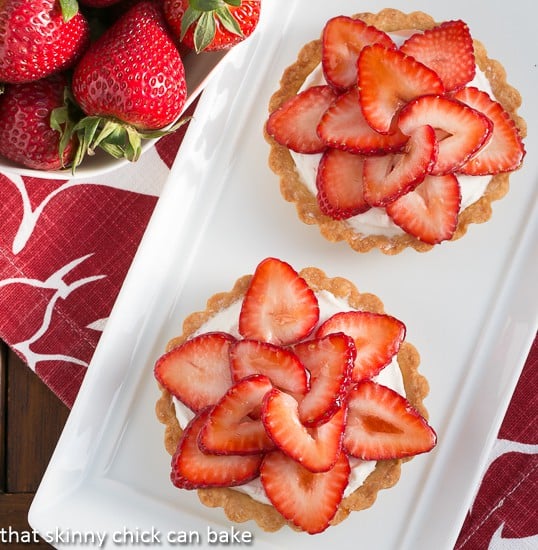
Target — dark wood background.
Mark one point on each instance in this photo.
(31, 421)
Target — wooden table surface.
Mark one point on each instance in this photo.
(31, 421)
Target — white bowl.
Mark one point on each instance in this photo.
(198, 69)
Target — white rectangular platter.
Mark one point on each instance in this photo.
(470, 307)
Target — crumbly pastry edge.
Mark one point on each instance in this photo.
(240, 507)
(293, 189)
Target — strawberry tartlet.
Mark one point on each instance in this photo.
(291, 400)
(394, 131)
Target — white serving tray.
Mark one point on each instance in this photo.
(470, 308)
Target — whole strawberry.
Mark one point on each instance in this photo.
(211, 25)
(39, 38)
(99, 3)
(130, 83)
(26, 136)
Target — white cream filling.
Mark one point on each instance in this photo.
(227, 320)
(376, 221)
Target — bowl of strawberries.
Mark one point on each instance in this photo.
(89, 85)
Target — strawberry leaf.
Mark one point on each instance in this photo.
(203, 14)
(191, 16)
(212, 5)
(206, 5)
(228, 21)
(133, 147)
(69, 9)
(85, 130)
(64, 119)
(61, 122)
(204, 31)
(109, 130)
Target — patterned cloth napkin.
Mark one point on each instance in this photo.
(65, 248)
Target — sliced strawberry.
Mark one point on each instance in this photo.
(279, 364)
(430, 212)
(342, 40)
(504, 152)
(461, 130)
(278, 307)
(343, 126)
(388, 79)
(448, 50)
(198, 371)
(387, 177)
(295, 122)
(228, 430)
(382, 424)
(377, 339)
(191, 468)
(309, 500)
(330, 361)
(339, 184)
(316, 449)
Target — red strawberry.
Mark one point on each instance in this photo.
(330, 361)
(279, 307)
(388, 79)
(294, 124)
(130, 83)
(26, 135)
(279, 364)
(430, 212)
(382, 424)
(385, 178)
(227, 430)
(317, 448)
(504, 151)
(343, 126)
(461, 131)
(309, 500)
(339, 183)
(37, 39)
(191, 468)
(377, 339)
(212, 26)
(448, 50)
(198, 371)
(99, 3)
(343, 38)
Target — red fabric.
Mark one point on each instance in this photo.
(65, 249)
(77, 266)
(505, 508)
(64, 252)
